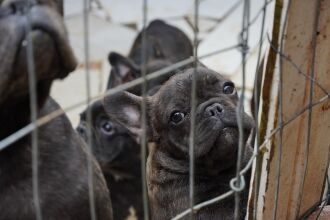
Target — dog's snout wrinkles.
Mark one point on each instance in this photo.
(215, 109)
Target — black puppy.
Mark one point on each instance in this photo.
(62, 158)
(168, 114)
(166, 44)
(118, 153)
(119, 157)
(113, 145)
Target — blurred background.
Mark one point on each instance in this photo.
(114, 24)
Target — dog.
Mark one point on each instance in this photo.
(166, 45)
(119, 157)
(117, 152)
(168, 126)
(62, 157)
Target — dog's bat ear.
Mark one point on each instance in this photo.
(122, 70)
(125, 108)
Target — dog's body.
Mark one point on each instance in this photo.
(113, 145)
(168, 185)
(216, 145)
(62, 157)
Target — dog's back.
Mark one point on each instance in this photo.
(63, 177)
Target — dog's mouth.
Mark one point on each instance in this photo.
(230, 133)
(52, 55)
(223, 139)
(222, 152)
(227, 132)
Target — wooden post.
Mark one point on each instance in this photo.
(307, 22)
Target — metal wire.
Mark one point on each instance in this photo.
(88, 116)
(260, 12)
(33, 113)
(244, 38)
(224, 16)
(311, 94)
(256, 113)
(193, 116)
(144, 113)
(280, 114)
(294, 65)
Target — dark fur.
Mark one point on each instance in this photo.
(63, 179)
(119, 157)
(165, 45)
(116, 150)
(168, 162)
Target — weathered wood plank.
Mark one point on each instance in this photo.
(320, 128)
(297, 191)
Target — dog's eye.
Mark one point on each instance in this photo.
(177, 117)
(107, 127)
(228, 88)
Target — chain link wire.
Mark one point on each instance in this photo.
(88, 113)
(33, 112)
(192, 131)
(144, 113)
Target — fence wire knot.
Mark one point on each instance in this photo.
(233, 184)
(243, 46)
(243, 41)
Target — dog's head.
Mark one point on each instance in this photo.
(163, 41)
(166, 44)
(112, 144)
(168, 115)
(52, 55)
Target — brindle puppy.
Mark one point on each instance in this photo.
(113, 145)
(62, 159)
(119, 157)
(168, 114)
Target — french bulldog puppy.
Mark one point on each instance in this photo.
(113, 145)
(62, 158)
(119, 157)
(216, 146)
(166, 44)
(118, 154)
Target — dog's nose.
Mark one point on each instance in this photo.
(214, 109)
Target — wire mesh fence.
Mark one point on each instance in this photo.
(238, 183)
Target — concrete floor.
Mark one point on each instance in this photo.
(114, 28)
